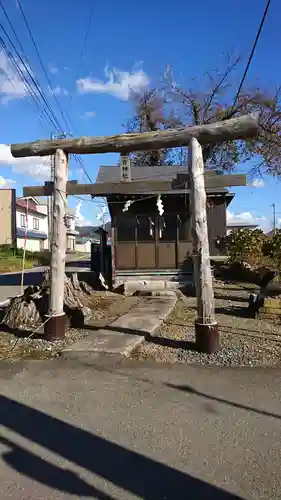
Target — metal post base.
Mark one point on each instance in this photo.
(54, 328)
(207, 338)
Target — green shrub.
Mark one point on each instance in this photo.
(272, 246)
(43, 257)
(245, 245)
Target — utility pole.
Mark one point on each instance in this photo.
(274, 218)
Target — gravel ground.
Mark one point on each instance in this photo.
(105, 306)
(244, 341)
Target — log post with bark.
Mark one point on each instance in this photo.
(55, 320)
(228, 130)
(207, 336)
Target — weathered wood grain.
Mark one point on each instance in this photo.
(58, 243)
(235, 128)
(201, 255)
(136, 187)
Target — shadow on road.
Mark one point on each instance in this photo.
(127, 469)
(78, 263)
(30, 278)
(191, 390)
(38, 469)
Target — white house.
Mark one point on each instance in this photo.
(71, 232)
(31, 224)
(232, 227)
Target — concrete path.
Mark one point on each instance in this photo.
(124, 430)
(127, 332)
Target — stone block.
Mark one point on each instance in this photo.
(272, 303)
(138, 285)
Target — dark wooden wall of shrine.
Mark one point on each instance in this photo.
(144, 211)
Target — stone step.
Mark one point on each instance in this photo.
(156, 293)
(132, 287)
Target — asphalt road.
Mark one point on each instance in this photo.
(127, 430)
(10, 283)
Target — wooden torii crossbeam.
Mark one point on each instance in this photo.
(104, 189)
(236, 128)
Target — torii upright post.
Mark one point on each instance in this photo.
(241, 127)
(206, 330)
(54, 327)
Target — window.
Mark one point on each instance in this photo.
(23, 220)
(36, 224)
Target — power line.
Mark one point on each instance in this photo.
(14, 32)
(87, 32)
(77, 159)
(34, 94)
(42, 64)
(52, 116)
(82, 166)
(252, 53)
(40, 117)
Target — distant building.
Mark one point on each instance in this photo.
(22, 219)
(86, 236)
(8, 221)
(235, 226)
(32, 224)
(27, 219)
(71, 232)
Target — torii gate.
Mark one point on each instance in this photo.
(207, 337)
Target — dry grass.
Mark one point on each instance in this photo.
(105, 306)
(13, 264)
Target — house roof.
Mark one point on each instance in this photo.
(88, 231)
(241, 224)
(32, 207)
(42, 200)
(149, 173)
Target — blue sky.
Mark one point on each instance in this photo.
(128, 45)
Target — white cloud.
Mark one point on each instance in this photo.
(11, 85)
(90, 114)
(35, 166)
(258, 183)
(53, 69)
(79, 218)
(119, 83)
(6, 183)
(58, 90)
